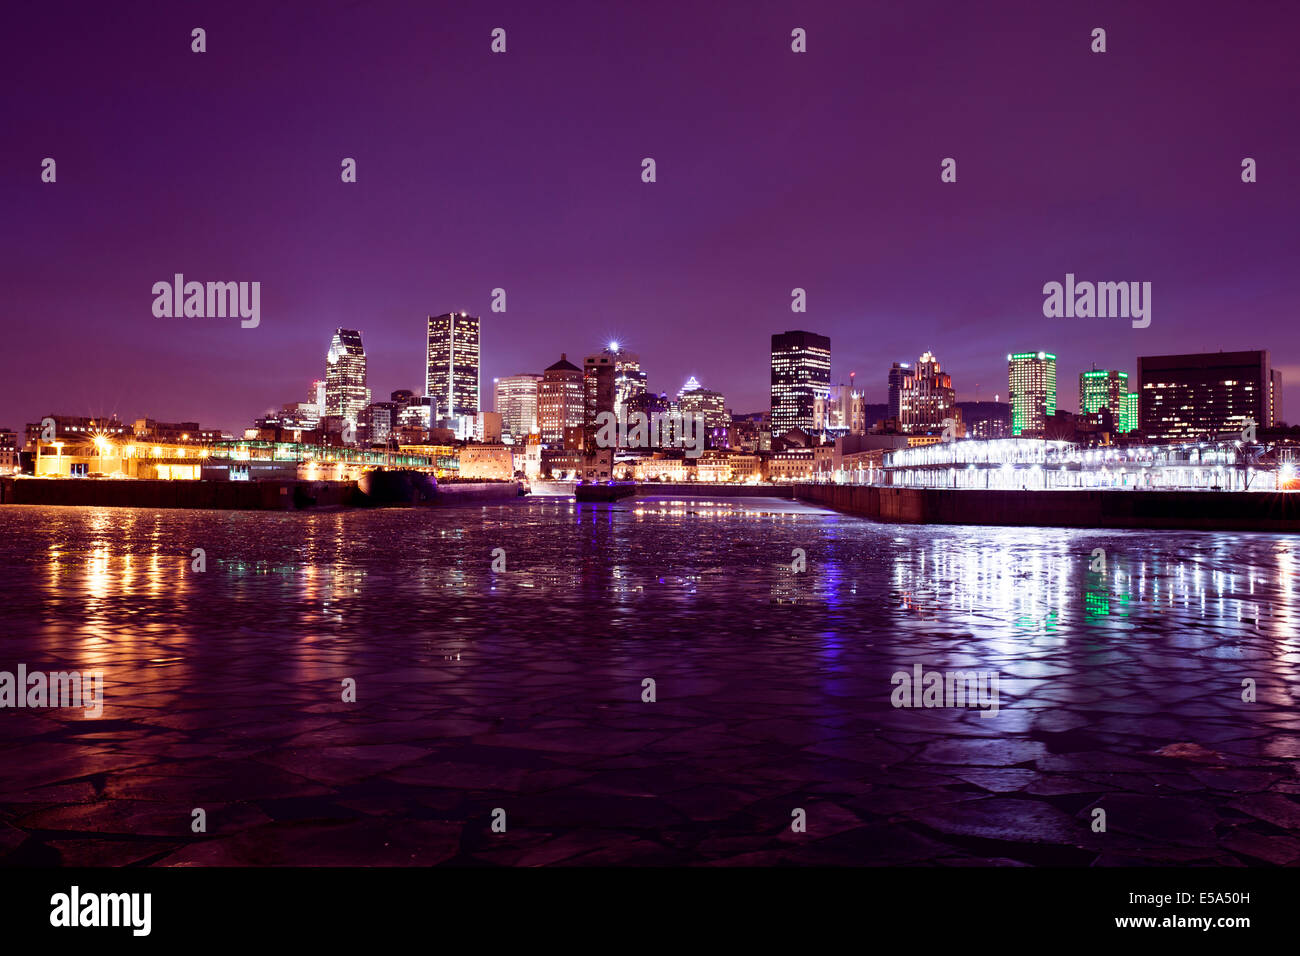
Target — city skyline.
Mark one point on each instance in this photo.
(680, 270)
(862, 383)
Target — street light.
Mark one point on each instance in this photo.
(100, 444)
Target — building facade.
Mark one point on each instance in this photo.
(516, 403)
(1031, 379)
(926, 399)
(451, 370)
(1105, 389)
(560, 400)
(346, 393)
(801, 371)
(1189, 397)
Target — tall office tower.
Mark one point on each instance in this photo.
(597, 386)
(655, 408)
(316, 395)
(1104, 388)
(1128, 421)
(1032, 379)
(560, 400)
(1186, 397)
(899, 372)
(345, 376)
(801, 370)
(451, 369)
(926, 399)
(629, 379)
(516, 403)
(598, 402)
(707, 403)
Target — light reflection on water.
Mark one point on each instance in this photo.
(113, 588)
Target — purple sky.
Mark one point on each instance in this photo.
(522, 171)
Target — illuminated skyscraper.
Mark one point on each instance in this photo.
(559, 400)
(1185, 397)
(1130, 419)
(629, 379)
(801, 371)
(1032, 380)
(451, 370)
(926, 399)
(345, 376)
(516, 403)
(1105, 388)
(707, 403)
(898, 374)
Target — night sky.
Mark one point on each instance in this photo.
(775, 170)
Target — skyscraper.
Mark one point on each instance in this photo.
(597, 387)
(1185, 397)
(898, 374)
(345, 376)
(1129, 421)
(451, 370)
(598, 401)
(1032, 380)
(709, 404)
(516, 402)
(801, 371)
(629, 379)
(560, 400)
(926, 399)
(1105, 388)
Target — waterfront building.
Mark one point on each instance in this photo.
(1195, 396)
(1041, 464)
(73, 428)
(487, 462)
(793, 464)
(1032, 392)
(451, 368)
(801, 371)
(10, 457)
(346, 393)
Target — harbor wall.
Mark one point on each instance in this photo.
(263, 495)
(683, 489)
(473, 492)
(1190, 510)
(700, 489)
